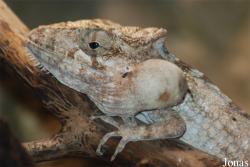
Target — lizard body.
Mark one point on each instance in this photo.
(128, 72)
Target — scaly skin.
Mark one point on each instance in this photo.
(130, 73)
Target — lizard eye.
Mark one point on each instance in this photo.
(94, 45)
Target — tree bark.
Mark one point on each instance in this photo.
(79, 136)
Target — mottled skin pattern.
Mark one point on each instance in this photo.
(129, 75)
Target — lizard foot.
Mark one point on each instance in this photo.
(173, 126)
(120, 133)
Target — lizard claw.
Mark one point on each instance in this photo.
(104, 140)
(119, 147)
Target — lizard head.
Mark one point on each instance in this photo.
(101, 47)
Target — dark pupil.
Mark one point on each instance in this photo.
(94, 45)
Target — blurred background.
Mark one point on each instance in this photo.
(213, 36)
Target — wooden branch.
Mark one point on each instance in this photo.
(79, 136)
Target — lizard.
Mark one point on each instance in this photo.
(129, 73)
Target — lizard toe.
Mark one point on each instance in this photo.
(104, 140)
(119, 148)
